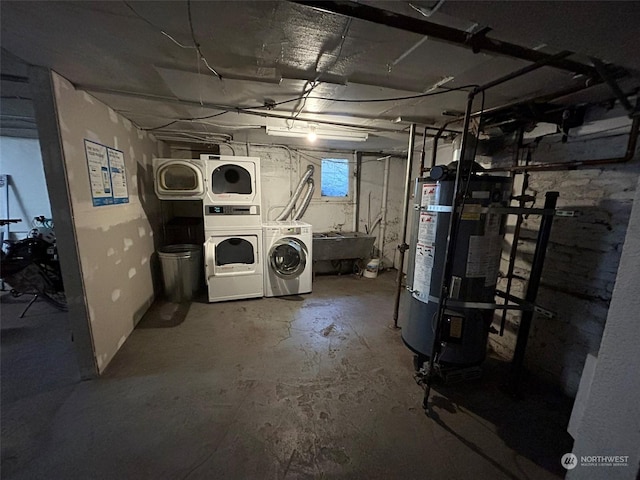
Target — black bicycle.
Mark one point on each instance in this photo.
(30, 266)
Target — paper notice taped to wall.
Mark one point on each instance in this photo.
(107, 174)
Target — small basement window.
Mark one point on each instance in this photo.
(335, 177)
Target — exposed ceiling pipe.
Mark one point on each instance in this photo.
(478, 42)
(537, 99)
(613, 85)
(434, 147)
(240, 110)
(629, 154)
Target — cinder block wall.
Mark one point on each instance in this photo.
(582, 259)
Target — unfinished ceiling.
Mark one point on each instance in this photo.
(284, 64)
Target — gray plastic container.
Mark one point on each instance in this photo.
(181, 271)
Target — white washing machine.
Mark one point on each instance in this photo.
(234, 264)
(288, 258)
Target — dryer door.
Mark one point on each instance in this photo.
(179, 179)
(233, 180)
(288, 257)
(228, 254)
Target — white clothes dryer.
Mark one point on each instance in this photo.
(234, 264)
(288, 258)
(179, 179)
(234, 196)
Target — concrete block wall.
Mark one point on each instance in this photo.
(582, 258)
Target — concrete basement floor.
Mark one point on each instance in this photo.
(315, 386)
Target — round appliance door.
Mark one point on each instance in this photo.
(179, 179)
(288, 257)
(231, 178)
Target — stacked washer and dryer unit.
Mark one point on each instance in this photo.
(235, 237)
(229, 188)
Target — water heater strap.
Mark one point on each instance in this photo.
(482, 305)
(439, 208)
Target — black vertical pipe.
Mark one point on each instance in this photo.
(358, 186)
(405, 214)
(544, 233)
(436, 138)
(516, 231)
(422, 152)
(452, 236)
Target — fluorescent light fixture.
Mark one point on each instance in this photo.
(312, 136)
(321, 134)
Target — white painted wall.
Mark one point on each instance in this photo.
(21, 159)
(281, 169)
(611, 421)
(371, 197)
(116, 243)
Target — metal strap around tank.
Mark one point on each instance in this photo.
(438, 208)
(518, 210)
(502, 210)
(478, 305)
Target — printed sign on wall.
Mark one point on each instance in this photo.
(107, 174)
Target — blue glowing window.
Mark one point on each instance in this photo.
(335, 177)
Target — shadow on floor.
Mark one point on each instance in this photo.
(38, 371)
(164, 314)
(532, 424)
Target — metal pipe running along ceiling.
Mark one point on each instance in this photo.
(478, 42)
(243, 110)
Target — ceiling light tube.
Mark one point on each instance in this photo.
(312, 135)
(345, 135)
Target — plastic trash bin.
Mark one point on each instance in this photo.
(181, 270)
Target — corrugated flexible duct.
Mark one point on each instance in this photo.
(311, 187)
(296, 194)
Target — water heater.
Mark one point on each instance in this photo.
(476, 261)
